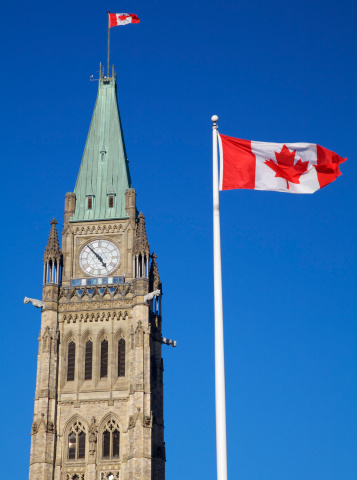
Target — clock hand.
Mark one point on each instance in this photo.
(98, 256)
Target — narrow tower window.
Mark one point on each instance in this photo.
(111, 201)
(88, 361)
(77, 442)
(111, 440)
(104, 359)
(71, 361)
(72, 440)
(81, 445)
(121, 358)
(90, 203)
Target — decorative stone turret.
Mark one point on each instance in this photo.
(155, 284)
(154, 277)
(141, 250)
(130, 203)
(69, 206)
(52, 258)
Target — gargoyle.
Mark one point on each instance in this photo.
(35, 303)
(151, 295)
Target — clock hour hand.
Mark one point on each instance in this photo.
(98, 256)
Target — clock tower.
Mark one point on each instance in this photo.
(99, 390)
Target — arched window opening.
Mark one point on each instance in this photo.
(121, 358)
(104, 359)
(77, 442)
(88, 361)
(71, 361)
(111, 440)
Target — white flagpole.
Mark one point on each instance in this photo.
(221, 435)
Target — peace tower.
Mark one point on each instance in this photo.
(99, 389)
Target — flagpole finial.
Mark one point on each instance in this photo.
(214, 118)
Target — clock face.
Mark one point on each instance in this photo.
(99, 258)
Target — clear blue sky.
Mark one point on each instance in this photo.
(273, 71)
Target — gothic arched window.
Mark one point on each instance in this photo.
(71, 361)
(88, 361)
(77, 442)
(121, 358)
(111, 439)
(104, 359)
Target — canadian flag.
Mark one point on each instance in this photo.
(283, 167)
(116, 19)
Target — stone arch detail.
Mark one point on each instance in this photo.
(78, 425)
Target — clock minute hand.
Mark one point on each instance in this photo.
(98, 256)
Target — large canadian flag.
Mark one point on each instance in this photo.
(283, 167)
(116, 19)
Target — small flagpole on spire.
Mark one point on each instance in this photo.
(108, 44)
(220, 388)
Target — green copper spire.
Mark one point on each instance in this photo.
(104, 173)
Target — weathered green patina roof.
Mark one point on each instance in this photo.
(104, 168)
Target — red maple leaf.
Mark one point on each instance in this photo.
(285, 167)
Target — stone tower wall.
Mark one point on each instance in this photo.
(134, 401)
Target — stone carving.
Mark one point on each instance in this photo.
(133, 419)
(50, 427)
(35, 303)
(147, 420)
(139, 335)
(93, 430)
(34, 429)
(131, 423)
(98, 229)
(151, 295)
(112, 475)
(167, 341)
(46, 340)
(94, 305)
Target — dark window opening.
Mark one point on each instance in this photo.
(106, 444)
(111, 201)
(71, 361)
(90, 203)
(72, 438)
(121, 358)
(82, 445)
(104, 359)
(88, 361)
(111, 440)
(115, 444)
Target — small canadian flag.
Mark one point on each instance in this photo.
(283, 167)
(116, 19)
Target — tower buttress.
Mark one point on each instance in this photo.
(44, 422)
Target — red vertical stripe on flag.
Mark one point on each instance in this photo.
(327, 167)
(113, 20)
(238, 163)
